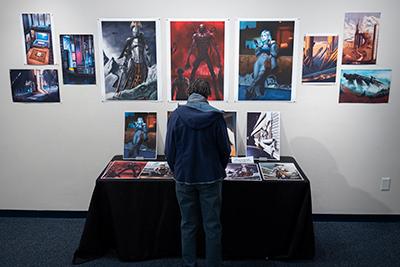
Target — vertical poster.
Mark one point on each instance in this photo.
(263, 135)
(37, 34)
(77, 59)
(365, 86)
(230, 120)
(320, 59)
(266, 62)
(130, 58)
(360, 38)
(197, 50)
(140, 139)
(34, 85)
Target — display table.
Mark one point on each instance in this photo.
(139, 219)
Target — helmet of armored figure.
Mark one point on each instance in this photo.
(135, 27)
(202, 28)
(265, 36)
(140, 120)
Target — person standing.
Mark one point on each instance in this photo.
(197, 150)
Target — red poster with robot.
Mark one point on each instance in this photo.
(197, 51)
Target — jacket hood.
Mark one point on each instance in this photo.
(196, 118)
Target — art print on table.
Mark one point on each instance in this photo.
(266, 49)
(130, 59)
(197, 50)
(124, 169)
(230, 120)
(365, 86)
(140, 141)
(77, 59)
(279, 171)
(37, 86)
(156, 170)
(360, 38)
(242, 172)
(320, 59)
(38, 34)
(263, 135)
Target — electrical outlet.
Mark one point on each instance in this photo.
(385, 184)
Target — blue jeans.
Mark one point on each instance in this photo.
(194, 201)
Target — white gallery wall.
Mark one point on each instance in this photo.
(51, 154)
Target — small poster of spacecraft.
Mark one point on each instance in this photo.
(230, 119)
(140, 140)
(156, 170)
(263, 135)
(279, 171)
(365, 86)
(124, 169)
(130, 59)
(34, 86)
(320, 59)
(360, 38)
(242, 172)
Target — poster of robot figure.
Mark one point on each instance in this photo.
(279, 171)
(365, 86)
(230, 120)
(123, 169)
(242, 172)
(140, 140)
(196, 50)
(130, 57)
(360, 38)
(263, 135)
(265, 69)
(156, 170)
(320, 59)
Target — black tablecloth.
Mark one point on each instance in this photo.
(139, 219)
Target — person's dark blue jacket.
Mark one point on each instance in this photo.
(197, 147)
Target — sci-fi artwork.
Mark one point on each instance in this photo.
(156, 170)
(197, 50)
(360, 38)
(129, 49)
(37, 33)
(230, 120)
(365, 86)
(120, 169)
(320, 59)
(266, 60)
(242, 172)
(263, 135)
(140, 141)
(279, 171)
(34, 85)
(77, 59)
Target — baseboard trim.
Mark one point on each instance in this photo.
(43, 213)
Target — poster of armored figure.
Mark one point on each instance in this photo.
(242, 172)
(266, 62)
(365, 86)
(120, 169)
(360, 38)
(279, 171)
(38, 38)
(196, 50)
(130, 59)
(77, 59)
(320, 59)
(263, 135)
(140, 140)
(34, 86)
(156, 170)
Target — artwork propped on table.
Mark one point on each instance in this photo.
(360, 38)
(37, 32)
(242, 172)
(263, 135)
(130, 58)
(124, 169)
(156, 170)
(77, 56)
(365, 86)
(230, 119)
(140, 141)
(279, 171)
(37, 86)
(320, 59)
(266, 49)
(197, 50)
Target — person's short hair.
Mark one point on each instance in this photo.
(201, 87)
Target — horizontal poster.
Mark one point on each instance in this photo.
(157, 170)
(123, 169)
(279, 171)
(242, 172)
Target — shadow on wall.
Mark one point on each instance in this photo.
(331, 192)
